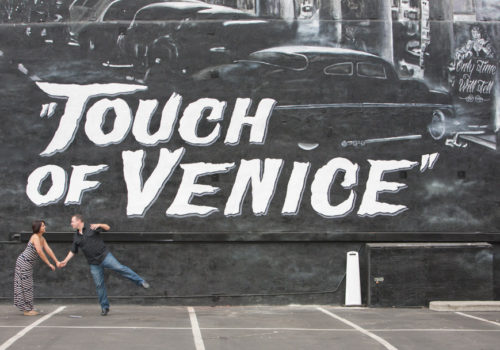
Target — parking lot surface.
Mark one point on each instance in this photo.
(80, 326)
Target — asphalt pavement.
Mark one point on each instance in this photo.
(80, 326)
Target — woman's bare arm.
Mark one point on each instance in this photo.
(39, 249)
(49, 251)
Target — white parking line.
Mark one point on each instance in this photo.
(382, 341)
(120, 327)
(198, 340)
(277, 329)
(478, 318)
(281, 329)
(435, 330)
(347, 330)
(25, 330)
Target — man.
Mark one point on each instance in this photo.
(89, 240)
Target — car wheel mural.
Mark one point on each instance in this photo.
(438, 127)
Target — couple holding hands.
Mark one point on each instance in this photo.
(86, 238)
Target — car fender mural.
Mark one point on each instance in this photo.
(252, 116)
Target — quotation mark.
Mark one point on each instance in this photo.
(48, 109)
(428, 161)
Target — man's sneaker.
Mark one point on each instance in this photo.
(145, 285)
(104, 312)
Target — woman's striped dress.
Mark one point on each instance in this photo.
(23, 278)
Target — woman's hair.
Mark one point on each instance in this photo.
(37, 225)
(480, 29)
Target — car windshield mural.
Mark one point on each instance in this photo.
(126, 9)
(279, 59)
(344, 68)
(371, 70)
(165, 14)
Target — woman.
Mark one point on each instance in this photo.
(478, 46)
(23, 277)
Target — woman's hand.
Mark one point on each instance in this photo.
(52, 267)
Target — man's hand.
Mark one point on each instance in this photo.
(105, 227)
(61, 264)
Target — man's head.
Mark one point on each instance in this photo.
(77, 221)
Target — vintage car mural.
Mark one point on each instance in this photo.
(193, 35)
(105, 24)
(347, 95)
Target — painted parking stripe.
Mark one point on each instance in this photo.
(478, 318)
(119, 327)
(347, 330)
(282, 329)
(25, 330)
(382, 341)
(198, 340)
(201, 328)
(435, 330)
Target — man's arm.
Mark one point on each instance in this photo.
(65, 261)
(105, 227)
(71, 253)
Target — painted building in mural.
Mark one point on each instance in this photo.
(251, 116)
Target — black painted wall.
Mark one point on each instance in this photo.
(201, 273)
(273, 272)
(414, 274)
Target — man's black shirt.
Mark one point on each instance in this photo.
(90, 241)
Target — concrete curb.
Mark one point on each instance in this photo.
(464, 305)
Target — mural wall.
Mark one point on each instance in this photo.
(251, 116)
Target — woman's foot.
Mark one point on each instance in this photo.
(31, 313)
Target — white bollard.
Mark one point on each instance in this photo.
(352, 283)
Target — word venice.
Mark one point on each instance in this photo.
(261, 175)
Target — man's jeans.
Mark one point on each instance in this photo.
(111, 263)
